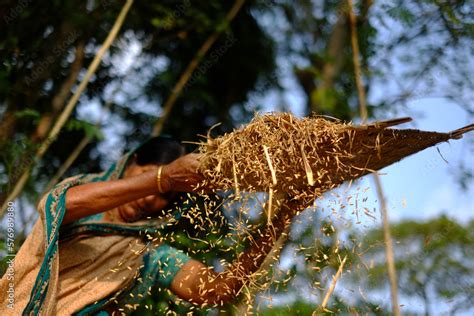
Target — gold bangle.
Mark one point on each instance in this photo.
(158, 179)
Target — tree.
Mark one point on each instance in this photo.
(44, 56)
(396, 44)
(45, 50)
(430, 260)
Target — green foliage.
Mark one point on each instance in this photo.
(357, 308)
(16, 159)
(321, 249)
(37, 56)
(28, 113)
(297, 308)
(402, 14)
(338, 308)
(430, 261)
(38, 46)
(3, 250)
(326, 98)
(90, 130)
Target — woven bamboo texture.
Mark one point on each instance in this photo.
(309, 156)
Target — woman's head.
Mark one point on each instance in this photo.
(154, 152)
(158, 151)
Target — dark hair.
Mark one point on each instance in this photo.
(158, 150)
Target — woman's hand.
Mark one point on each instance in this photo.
(182, 174)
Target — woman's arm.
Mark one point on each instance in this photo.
(195, 282)
(92, 198)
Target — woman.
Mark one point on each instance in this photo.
(91, 251)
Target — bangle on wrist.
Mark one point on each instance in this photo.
(158, 179)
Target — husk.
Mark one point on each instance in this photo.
(309, 156)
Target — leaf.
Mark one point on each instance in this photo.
(402, 14)
(89, 129)
(326, 99)
(28, 113)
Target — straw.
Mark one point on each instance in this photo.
(305, 157)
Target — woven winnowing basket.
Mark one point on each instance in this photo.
(307, 157)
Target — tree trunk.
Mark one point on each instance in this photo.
(26, 90)
(426, 301)
(59, 100)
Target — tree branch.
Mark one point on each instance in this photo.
(383, 207)
(186, 75)
(69, 107)
(60, 98)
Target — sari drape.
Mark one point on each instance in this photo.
(80, 267)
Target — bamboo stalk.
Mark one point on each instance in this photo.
(335, 278)
(59, 100)
(187, 73)
(69, 161)
(85, 140)
(356, 61)
(392, 273)
(73, 156)
(53, 134)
